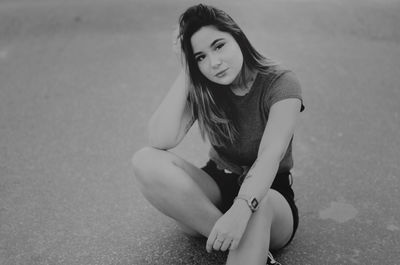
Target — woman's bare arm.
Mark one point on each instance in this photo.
(277, 135)
(173, 118)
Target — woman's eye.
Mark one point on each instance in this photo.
(199, 58)
(219, 46)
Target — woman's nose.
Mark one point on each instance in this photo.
(215, 61)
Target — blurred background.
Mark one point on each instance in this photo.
(80, 78)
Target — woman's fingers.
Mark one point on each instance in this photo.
(218, 243)
(176, 43)
(234, 245)
(211, 240)
(215, 242)
(226, 244)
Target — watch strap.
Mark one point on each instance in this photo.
(252, 202)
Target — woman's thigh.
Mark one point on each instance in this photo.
(155, 162)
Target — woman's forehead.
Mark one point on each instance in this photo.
(206, 36)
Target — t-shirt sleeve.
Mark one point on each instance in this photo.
(285, 86)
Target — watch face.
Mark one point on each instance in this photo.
(254, 203)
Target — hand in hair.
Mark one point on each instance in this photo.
(176, 45)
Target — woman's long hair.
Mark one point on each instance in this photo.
(206, 98)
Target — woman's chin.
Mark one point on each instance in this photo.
(225, 81)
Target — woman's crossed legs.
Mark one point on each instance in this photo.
(191, 197)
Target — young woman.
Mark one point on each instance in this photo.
(247, 107)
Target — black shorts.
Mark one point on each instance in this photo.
(229, 186)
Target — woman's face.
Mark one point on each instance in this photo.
(217, 54)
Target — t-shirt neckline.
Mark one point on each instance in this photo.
(250, 91)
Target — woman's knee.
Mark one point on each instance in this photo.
(267, 205)
(140, 159)
(274, 205)
(147, 162)
(278, 212)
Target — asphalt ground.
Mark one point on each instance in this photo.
(79, 80)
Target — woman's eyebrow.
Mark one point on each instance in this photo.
(212, 44)
(215, 41)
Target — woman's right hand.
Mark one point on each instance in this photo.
(176, 45)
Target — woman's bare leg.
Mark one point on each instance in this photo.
(178, 189)
(268, 228)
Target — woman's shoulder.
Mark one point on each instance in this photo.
(278, 76)
(279, 84)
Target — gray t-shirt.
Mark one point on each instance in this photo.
(251, 116)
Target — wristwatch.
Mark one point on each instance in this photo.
(252, 202)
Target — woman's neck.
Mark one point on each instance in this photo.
(242, 87)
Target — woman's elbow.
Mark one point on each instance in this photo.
(162, 143)
(163, 139)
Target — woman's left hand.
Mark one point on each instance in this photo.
(229, 228)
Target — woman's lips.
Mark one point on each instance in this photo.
(222, 73)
